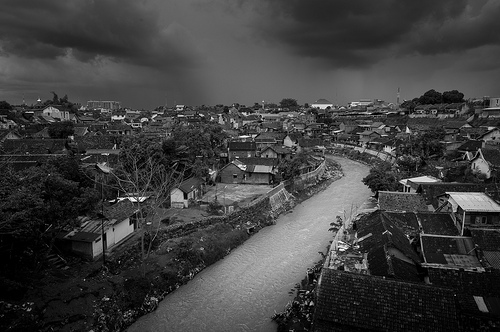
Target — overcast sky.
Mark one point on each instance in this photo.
(147, 53)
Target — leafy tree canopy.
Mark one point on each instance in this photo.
(431, 97)
(61, 129)
(290, 169)
(5, 105)
(381, 178)
(453, 96)
(288, 102)
(39, 202)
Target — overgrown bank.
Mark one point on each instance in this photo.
(110, 299)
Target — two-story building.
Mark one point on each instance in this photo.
(470, 209)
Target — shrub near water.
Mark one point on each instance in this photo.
(209, 245)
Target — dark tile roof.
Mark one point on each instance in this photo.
(269, 135)
(93, 142)
(381, 263)
(437, 223)
(492, 156)
(310, 142)
(406, 221)
(471, 146)
(467, 282)
(356, 302)
(398, 201)
(422, 123)
(118, 127)
(120, 211)
(383, 232)
(272, 124)
(34, 146)
(294, 137)
(469, 285)
(486, 239)
(242, 146)
(190, 184)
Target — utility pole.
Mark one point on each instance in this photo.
(102, 222)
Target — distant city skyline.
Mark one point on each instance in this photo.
(193, 52)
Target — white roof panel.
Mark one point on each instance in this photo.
(474, 201)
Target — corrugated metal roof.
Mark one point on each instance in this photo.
(474, 201)
(263, 169)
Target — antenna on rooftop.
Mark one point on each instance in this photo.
(398, 97)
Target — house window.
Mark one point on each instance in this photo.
(481, 220)
(235, 176)
(130, 221)
(185, 196)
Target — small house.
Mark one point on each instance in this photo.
(118, 224)
(470, 209)
(188, 190)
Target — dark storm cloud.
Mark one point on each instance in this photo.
(124, 30)
(360, 33)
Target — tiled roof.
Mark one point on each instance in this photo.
(399, 201)
(450, 252)
(269, 135)
(97, 142)
(381, 263)
(190, 184)
(34, 146)
(471, 145)
(486, 238)
(437, 223)
(242, 146)
(492, 156)
(467, 282)
(356, 302)
(406, 221)
(378, 230)
(309, 142)
(120, 211)
(80, 131)
(473, 290)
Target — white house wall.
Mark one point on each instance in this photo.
(122, 230)
(481, 165)
(177, 198)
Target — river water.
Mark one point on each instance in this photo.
(242, 291)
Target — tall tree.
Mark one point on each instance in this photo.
(148, 180)
(288, 102)
(381, 178)
(431, 97)
(453, 96)
(35, 205)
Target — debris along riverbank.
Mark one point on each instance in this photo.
(298, 313)
(87, 297)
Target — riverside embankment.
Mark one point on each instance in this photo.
(242, 291)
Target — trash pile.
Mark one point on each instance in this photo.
(298, 314)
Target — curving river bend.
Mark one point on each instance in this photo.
(242, 291)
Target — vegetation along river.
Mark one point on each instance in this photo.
(242, 291)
